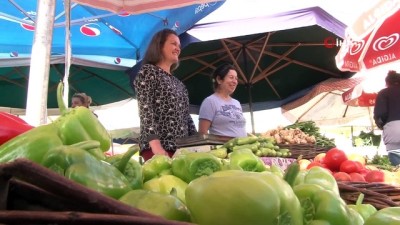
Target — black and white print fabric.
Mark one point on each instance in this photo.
(163, 102)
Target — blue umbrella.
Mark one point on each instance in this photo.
(120, 38)
(98, 39)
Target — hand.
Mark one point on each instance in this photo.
(157, 148)
(160, 152)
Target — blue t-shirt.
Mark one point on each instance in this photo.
(226, 116)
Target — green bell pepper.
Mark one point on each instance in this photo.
(61, 157)
(164, 205)
(192, 165)
(99, 176)
(238, 197)
(322, 206)
(156, 166)
(165, 184)
(365, 210)
(82, 167)
(385, 216)
(31, 145)
(73, 126)
(79, 124)
(317, 175)
(131, 168)
(244, 159)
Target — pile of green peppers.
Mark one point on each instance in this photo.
(192, 187)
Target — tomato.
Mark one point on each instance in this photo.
(333, 158)
(320, 157)
(357, 157)
(342, 176)
(375, 176)
(356, 177)
(350, 166)
(314, 163)
(304, 163)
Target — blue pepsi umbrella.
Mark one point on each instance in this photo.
(99, 38)
(94, 32)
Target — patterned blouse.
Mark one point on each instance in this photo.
(163, 107)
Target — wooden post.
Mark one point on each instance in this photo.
(36, 106)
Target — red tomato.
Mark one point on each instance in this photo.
(303, 163)
(314, 163)
(333, 158)
(342, 176)
(375, 176)
(350, 166)
(356, 177)
(320, 157)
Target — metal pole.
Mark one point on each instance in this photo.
(251, 109)
(36, 106)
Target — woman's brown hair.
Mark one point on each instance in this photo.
(154, 51)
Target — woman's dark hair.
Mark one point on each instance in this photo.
(392, 78)
(154, 51)
(221, 72)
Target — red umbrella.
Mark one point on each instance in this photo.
(141, 6)
(373, 40)
(364, 93)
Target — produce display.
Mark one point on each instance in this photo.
(259, 145)
(228, 185)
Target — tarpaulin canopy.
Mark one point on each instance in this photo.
(276, 55)
(104, 44)
(324, 105)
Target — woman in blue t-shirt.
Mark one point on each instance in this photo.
(220, 114)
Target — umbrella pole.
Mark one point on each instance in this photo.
(36, 106)
(251, 109)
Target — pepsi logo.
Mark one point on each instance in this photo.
(13, 54)
(115, 30)
(356, 47)
(124, 14)
(385, 42)
(90, 29)
(27, 26)
(117, 60)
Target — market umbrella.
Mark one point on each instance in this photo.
(99, 38)
(104, 85)
(324, 105)
(373, 40)
(94, 32)
(276, 55)
(142, 6)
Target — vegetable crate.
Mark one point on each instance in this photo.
(306, 151)
(33, 194)
(380, 195)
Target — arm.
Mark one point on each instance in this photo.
(380, 110)
(192, 128)
(204, 125)
(145, 84)
(206, 115)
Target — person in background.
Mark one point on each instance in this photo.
(220, 114)
(81, 99)
(163, 100)
(387, 115)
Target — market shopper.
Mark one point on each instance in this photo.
(387, 115)
(81, 99)
(163, 100)
(220, 114)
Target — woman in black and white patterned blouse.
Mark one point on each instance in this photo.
(162, 98)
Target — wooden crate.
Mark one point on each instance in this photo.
(380, 195)
(33, 194)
